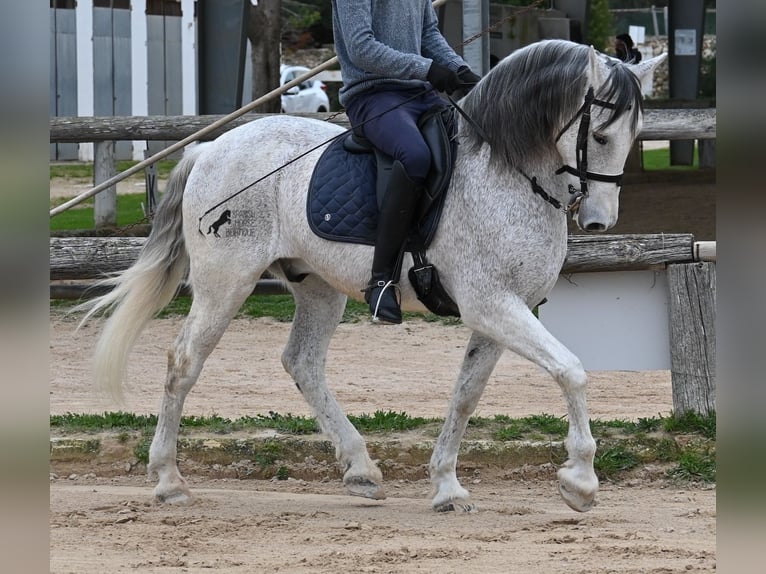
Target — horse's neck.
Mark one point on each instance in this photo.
(501, 179)
(490, 188)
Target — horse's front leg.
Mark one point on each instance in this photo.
(318, 310)
(518, 329)
(480, 359)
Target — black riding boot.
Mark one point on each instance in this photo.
(394, 221)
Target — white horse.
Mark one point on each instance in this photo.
(554, 123)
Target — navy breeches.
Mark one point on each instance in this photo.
(392, 126)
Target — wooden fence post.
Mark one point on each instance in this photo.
(104, 168)
(692, 337)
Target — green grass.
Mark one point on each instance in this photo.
(80, 170)
(694, 423)
(278, 307)
(695, 465)
(536, 427)
(611, 461)
(683, 443)
(659, 159)
(129, 212)
(387, 421)
(129, 209)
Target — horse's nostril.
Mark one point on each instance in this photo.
(595, 227)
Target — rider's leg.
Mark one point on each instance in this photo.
(394, 221)
(389, 121)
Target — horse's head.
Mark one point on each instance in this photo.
(594, 143)
(557, 102)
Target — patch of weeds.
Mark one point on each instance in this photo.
(282, 473)
(695, 464)
(268, 454)
(387, 421)
(534, 427)
(178, 307)
(123, 437)
(278, 307)
(638, 428)
(355, 312)
(666, 450)
(547, 424)
(141, 450)
(481, 422)
(107, 420)
(691, 422)
(284, 423)
(614, 460)
(513, 431)
(647, 425)
(212, 423)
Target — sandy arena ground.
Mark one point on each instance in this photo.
(98, 524)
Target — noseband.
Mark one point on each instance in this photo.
(581, 152)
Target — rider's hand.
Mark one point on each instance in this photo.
(467, 78)
(443, 79)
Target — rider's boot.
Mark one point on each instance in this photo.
(394, 221)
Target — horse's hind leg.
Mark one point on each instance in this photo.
(210, 314)
(318, 310)
(480, 359)
(519, 330)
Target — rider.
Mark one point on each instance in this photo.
(625, 49)
(392, 56)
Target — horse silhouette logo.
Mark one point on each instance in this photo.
(225, 218)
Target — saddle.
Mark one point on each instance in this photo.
(348, 185)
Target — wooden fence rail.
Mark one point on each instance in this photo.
(76, 258)
(659, 124)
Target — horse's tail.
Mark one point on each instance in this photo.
(141, 291)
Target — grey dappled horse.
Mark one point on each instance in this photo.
(521, 168)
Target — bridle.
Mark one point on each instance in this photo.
(581, 155)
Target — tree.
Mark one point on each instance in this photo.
(264, 31)
(600, 27)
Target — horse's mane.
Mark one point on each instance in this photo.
(527, 97)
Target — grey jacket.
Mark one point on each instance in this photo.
(391, 42)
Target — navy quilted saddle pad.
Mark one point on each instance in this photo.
(342, 202)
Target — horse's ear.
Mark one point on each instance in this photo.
(645, 68)
(596, 67)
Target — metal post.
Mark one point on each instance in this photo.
(476, 19)
(687, 20)
(222, 32)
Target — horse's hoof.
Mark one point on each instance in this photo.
(361, 486)
(578, 496)
(455, 506)
(176, 497)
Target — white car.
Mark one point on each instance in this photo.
(310, 96)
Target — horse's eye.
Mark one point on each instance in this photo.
(599, 139)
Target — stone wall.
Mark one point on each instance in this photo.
(658, 45)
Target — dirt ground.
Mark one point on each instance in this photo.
(98, 524)
(410, 367)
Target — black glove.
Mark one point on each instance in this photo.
(443, 79)
(467, 78)
(467, 81)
